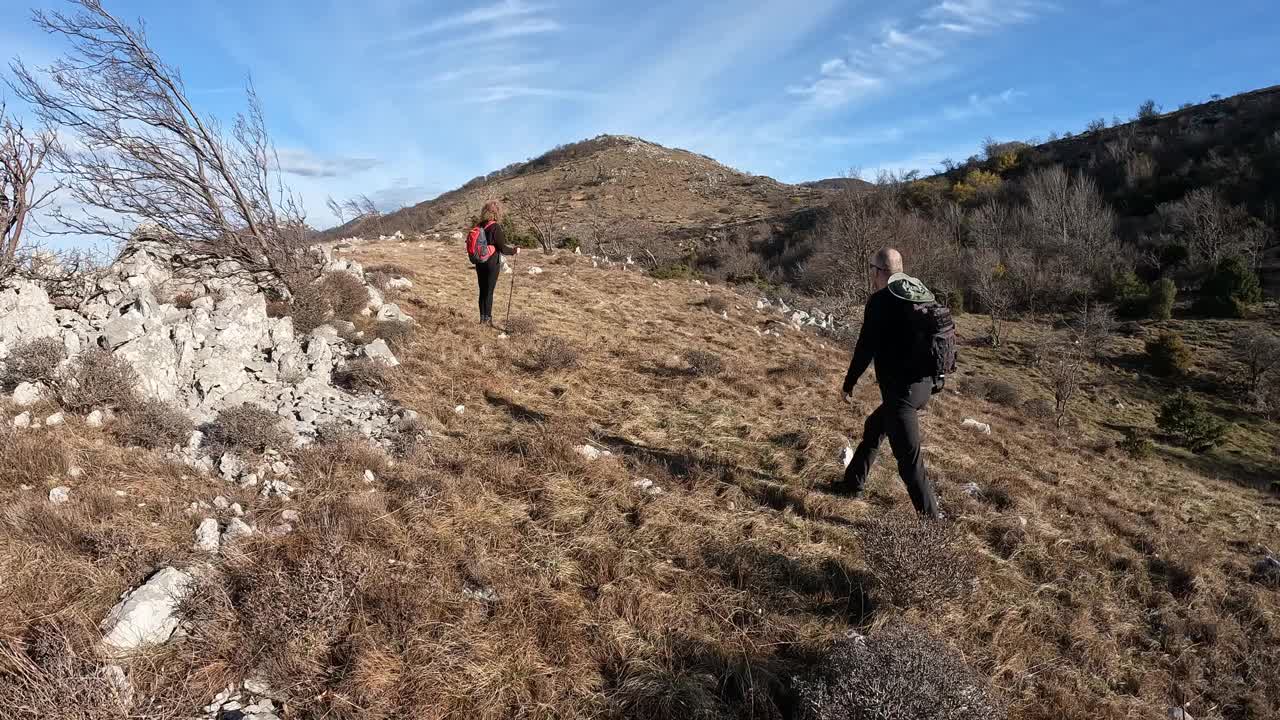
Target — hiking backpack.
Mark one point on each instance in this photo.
(935, 341)
(478, 248)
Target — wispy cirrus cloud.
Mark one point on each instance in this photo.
(502, 12)
(294, 161)
(982, 105)
(894, 52)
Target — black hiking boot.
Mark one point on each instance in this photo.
(843, 489)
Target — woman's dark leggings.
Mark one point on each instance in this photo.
(487, 276)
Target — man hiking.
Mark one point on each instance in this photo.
(912, 341)
(485, 243)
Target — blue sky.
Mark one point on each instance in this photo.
(404, 99)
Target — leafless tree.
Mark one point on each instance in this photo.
(1069, 214)
(22, 156)
(543, 215)
(1093, 326)
(362, 208)
(143, 153)
(1213, 229)
(1258, 349)
(994, 289)
(1065, 373)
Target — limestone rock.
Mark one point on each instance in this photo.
(60, 495)
(380, 351)
(94, 419)
(25, 314)
(976, 426)
(146, 615)
(207, 536)
(55, 419)
(26, 394)
(236, 530)
(590, 452)
(392, 313)
(399, 283)
(22, 420)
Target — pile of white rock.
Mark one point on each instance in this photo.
(215, 348)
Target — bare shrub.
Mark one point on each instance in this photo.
(337, 433)
(1258, 349)
(347, 296)
(48, 676)
(397, 334)
(703, 363)
(280, 309)
(1005, 393)
(245, 427)
(897, 673)
(1038, 408)
(33, 361)
(154, 425)
(214, 194)
(801, 368)
(363, 375)
(1064, 373)
(918, 562)
(183, 300)
(309, 309)
(521, 325)
(715, 304)
(551, 353)
(96, 379)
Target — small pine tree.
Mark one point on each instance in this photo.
(1128, 292)
(1148, 111)
(1160, 302)
(1168, 355)
(1190, 425)
(1229, 290)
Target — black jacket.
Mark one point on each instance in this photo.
(887, 337)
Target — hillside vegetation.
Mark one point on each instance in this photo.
(492, 567)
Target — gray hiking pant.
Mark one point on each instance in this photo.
(897, 419)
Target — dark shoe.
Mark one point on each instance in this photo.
(843, 489)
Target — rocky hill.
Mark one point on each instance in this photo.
(610, 508)
(638, 187)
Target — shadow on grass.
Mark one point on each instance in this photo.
(515, 410)
(1254, 475)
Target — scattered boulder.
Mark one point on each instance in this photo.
(976, 426)
(146, 615)
(22, 420)
(380, 351)
(94, 419)
(535, 270)
(236, 530)
(399, 283)
(391, 312)
(55, 419)
(592, 453)
(60, 495)
(647, 486)
(26, 394)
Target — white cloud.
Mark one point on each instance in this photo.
(295, 161)
(500, 93)
(895, 53)
(982, 105)
(491, 14)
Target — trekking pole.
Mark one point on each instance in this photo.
(510, 296)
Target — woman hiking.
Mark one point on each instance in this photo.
(485, 243)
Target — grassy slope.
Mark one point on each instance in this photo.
(1127, 592)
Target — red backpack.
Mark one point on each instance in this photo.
(478, 248)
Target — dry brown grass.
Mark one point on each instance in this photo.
(493, 572)
(551, 354)
(363, 375)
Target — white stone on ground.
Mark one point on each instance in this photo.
(207, 536)
(369, 476)
(22, 420)
(535, 270)
(460, 410)
(74, 471)
(591, 452)
(146, 615)
(290, 516)
(26, 394)
(972, 490)
(55, 419)
(380, 351)
(94, 419)
(976, 426)
(60, 494)
(236, 529)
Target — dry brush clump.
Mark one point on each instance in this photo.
(898, 672)
(521, 325)
(363, 375)
(153, 424)
(33, 361)
(917, 562)
(246, 427)
(96, 379)
(346, 294)
(551, 354)
(703, 363)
